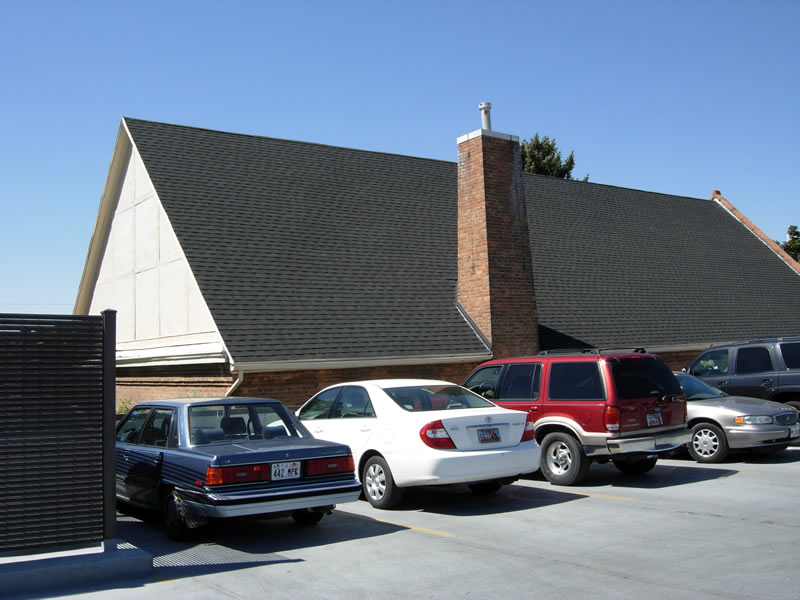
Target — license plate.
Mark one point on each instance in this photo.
(654, 419)
(287, 470)
(794, 430)
(488, 435)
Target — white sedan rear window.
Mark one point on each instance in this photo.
(435, 397)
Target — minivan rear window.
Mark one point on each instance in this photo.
(643, 377)
(791, 355)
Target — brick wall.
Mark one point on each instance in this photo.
(495, 278)
(293, 388)
(160, 383)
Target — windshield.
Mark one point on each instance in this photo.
(419, 398)
(226, 423)
(642, 377)
(697, 389)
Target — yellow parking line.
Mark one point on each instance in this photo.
(412, 527)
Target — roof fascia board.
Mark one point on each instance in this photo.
(181, 355)
(307, 365)
(763, 237)
(105, 215)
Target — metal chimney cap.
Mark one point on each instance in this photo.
(486, 116)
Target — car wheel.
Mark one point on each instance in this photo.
(307, 517)
(378, 484)
(174, 514)
(563, 459)
(794, 403)
(708, 443)
(636, 466)
(485, 488)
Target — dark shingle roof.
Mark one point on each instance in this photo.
(304, 251)
(615, 267)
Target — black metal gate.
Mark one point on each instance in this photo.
(56, 432)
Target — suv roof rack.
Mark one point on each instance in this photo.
(589, 351)
(569, 351)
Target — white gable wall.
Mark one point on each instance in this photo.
(161, 315)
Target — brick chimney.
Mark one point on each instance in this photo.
(495, 277)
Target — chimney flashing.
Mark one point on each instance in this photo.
(487, 133)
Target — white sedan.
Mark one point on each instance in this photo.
(410, 432)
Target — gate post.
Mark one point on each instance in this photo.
(109, 423)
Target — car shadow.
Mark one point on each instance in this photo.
(663, 475)
(458, 500)
(229, 544)
(751, 456)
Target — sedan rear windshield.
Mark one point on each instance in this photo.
(643, 377)
(435, 397)
(226, 423)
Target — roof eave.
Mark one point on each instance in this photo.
(353, 363)
(105, 215)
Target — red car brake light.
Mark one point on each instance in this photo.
(435, 435)
(327, 466)
(611, 418)
(238, 474)
(528, 433)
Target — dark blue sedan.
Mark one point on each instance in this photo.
(228, 457)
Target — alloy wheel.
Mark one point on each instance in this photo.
(559, 458)
(705, 442)
(375, 481)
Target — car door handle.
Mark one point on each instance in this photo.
(365, 429)
(533, 409)
(722, 384)
(318, 430)
(766, 383)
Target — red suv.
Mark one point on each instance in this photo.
(591, 405)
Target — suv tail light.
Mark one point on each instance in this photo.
(435, 435)
(528, 433)
(611, 418)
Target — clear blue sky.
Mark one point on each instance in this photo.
(679, 97)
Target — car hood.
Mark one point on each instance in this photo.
(741, 404)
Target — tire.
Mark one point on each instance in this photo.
(636, 466)
(794, 403)
(485, 488)
(563, 460)
(708, 444)
(378, 484)
(307, 517)
(174, 516)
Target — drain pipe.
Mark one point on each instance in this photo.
(236, 384)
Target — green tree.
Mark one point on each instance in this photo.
(542, 156)
(792, 245)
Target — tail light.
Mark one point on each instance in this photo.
(327, 466)
(435, 435)
(611, 418)
(528, 433)
(238, 474)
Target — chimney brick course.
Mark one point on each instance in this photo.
(495, 278)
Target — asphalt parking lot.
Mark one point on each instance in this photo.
(682, 531)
